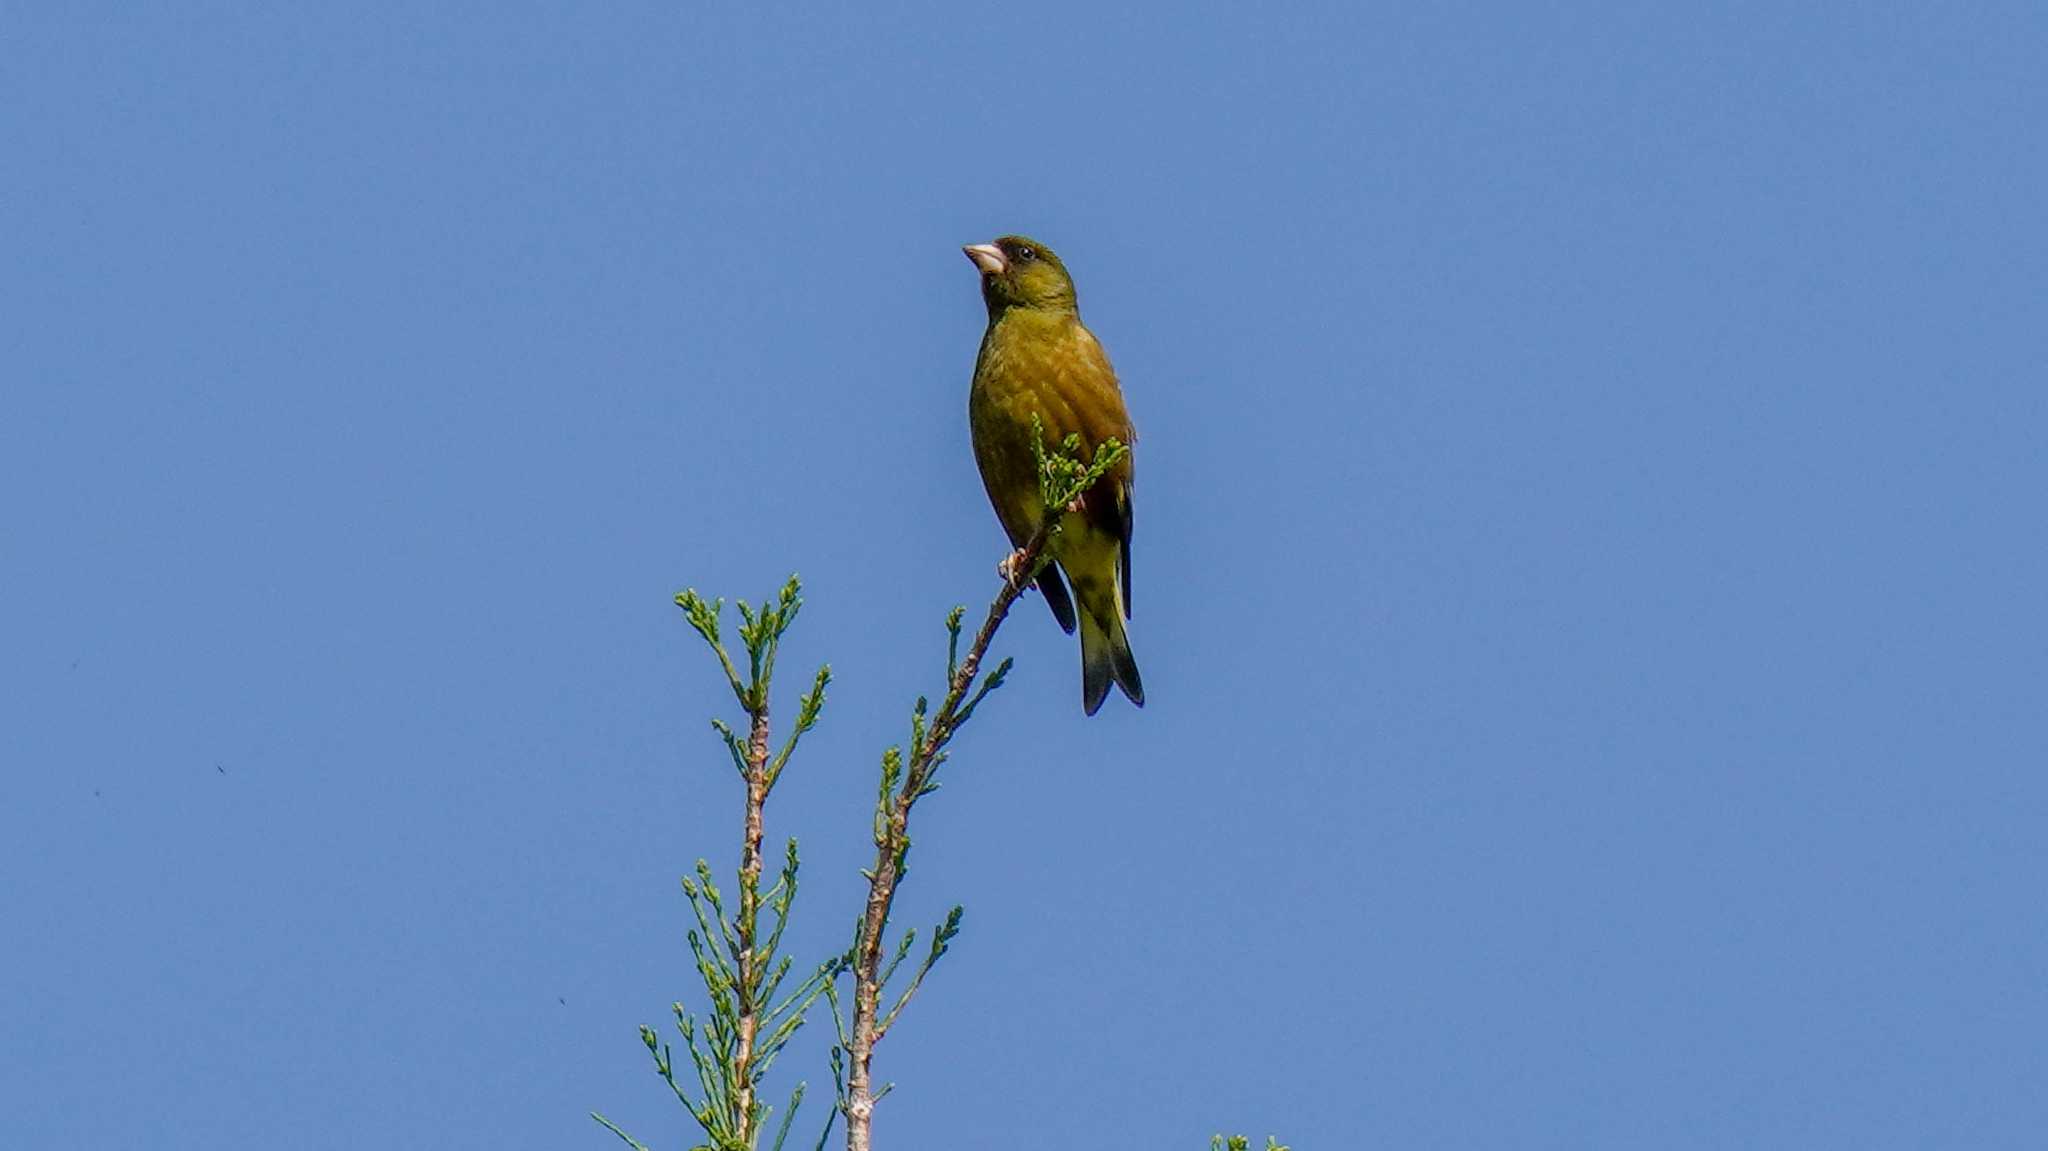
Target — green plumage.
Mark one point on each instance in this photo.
(1039, 362)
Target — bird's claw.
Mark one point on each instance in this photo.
(1012, 569)
(1079, 505)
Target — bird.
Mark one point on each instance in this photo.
(1038, 362)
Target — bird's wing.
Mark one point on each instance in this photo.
(1093, 403)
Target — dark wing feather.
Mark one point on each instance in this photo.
(1124, 566)
(1109, 511)
(1054, 589)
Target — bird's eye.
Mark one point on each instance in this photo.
(1027, 252)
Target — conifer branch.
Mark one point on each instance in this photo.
(1063, 477)
(746, 1026)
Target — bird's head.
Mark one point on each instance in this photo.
(1020, 272)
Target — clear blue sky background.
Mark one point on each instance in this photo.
(1589, 564)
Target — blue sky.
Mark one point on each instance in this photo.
(1588, 564)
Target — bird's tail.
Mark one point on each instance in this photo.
(1106, 658)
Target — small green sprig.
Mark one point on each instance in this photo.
(1063, 476)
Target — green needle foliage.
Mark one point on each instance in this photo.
(1241, 1143)
(1062, 475)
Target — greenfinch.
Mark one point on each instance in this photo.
(1041, 371)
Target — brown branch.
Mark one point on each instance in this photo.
(892, 841)
(749, 973)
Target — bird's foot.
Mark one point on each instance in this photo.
(1079, 505)
(1012, 569)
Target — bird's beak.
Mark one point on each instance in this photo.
(987, 257)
